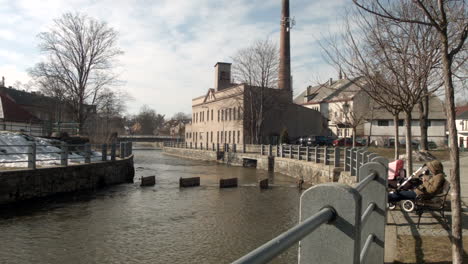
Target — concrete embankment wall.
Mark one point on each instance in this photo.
(312, 173)
(20, 185)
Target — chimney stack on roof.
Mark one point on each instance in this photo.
(284, 78)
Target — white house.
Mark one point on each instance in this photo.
(462, 126)
(345, 104)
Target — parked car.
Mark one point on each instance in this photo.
(315, 141)
(346, 142)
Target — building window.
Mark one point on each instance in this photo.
(239, 113)
(338, 132)
(428, 123)
(238, 136)
(234, 113)
(229, 136)
(225, 137)
(211, 136)
(222, 137)
(218, 115)
(217, 136)
(207, 115)
(222, 115)
(380, 123)
(196, 118)
(401, 122)
(230, 112)
(211, 114)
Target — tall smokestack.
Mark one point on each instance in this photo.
(284, 78)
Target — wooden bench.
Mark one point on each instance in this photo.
(436, 203)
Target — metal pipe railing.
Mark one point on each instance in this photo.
(362, 184)
(366, 247)
(279, 244)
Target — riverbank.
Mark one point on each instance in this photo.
(310, 172)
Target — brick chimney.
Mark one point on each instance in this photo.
(222, 76)
(284, 78)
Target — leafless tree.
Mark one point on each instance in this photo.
(449, 20)
(257, 66)
(80, 57)
(395, 62)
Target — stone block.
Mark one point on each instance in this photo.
(228, 183)
(189, 182)
(148, 181)
(263, 184)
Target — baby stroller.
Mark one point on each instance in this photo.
(397, 182)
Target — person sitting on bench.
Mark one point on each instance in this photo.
(430, 186)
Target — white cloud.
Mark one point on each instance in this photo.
(171, 46)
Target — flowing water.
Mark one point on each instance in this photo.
(161, 224)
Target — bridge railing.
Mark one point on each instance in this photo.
(33, 155)
(338, 223)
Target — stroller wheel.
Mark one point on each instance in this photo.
(407, 206)
(391, 206)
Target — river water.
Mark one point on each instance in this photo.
(161, 224)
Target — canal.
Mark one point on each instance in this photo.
(160, 224)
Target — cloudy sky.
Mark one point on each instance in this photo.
(171, 46)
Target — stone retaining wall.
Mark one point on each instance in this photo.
(20, 185)
(312, 173)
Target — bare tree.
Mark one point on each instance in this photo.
(396, 63)
(257, 66)
(80, 56)
(449, 20)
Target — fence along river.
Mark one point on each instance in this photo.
(160, 224)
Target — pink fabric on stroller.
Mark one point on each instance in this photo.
(395, 170)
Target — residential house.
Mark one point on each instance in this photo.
(15, 118)
(462, 126)
(345, 105)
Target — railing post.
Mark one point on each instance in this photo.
(337, 158)
(317, 155)
(347, 160)
(32, 156)
(64, 155)
(88, 153)
(307, 153)
(353, 162)
(104, 152)
(374, 192)
(122, 150)
(326, 156)
(113, 150)
(359, 162)
(342, 232)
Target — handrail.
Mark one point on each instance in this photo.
(366, 247)
(277, 245)
(362, 184)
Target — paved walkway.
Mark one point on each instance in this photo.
(428, 244)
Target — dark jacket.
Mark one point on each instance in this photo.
(434, 184)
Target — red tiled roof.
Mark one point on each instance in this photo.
(11, 111)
